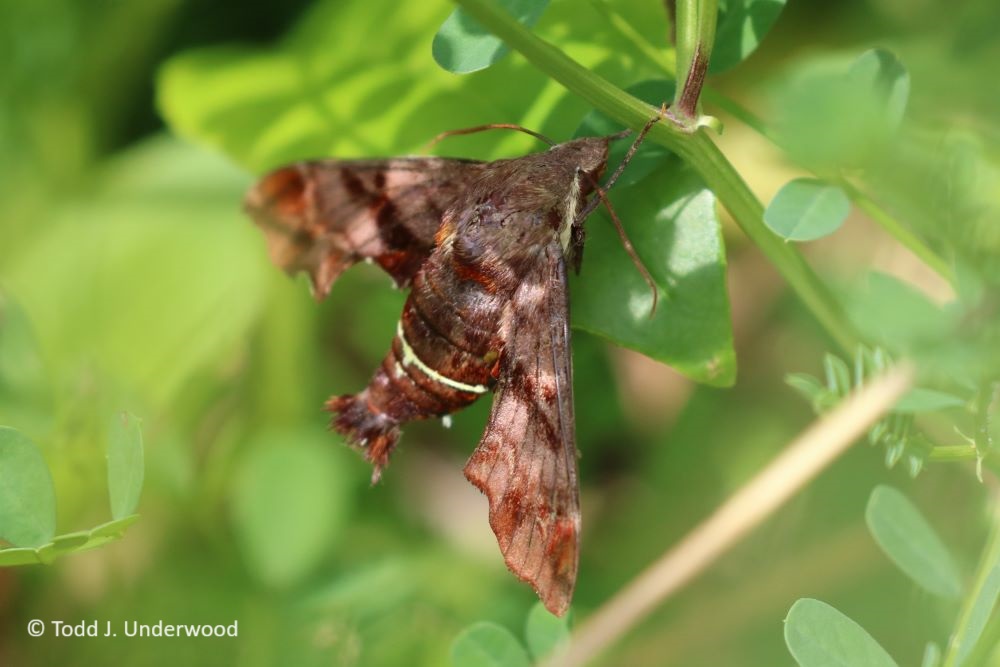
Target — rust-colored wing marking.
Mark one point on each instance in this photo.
(526, 461)
(323, 216)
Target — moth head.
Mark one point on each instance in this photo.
(588, 157)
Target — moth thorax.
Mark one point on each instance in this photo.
(570, 212)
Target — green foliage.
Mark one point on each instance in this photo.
(27, 499)
(742, 26)
(910, 542)
(820, 636)
(28, 503)
(978, 609)
(130, 277)
(932, 656)
(897, 432)
(462, 45)
(906, 318)
(671, 218)
(806, 209)
(488, 645)
(152, 258)
(834, 114)
(290, 501)
(68, 543)
(545, 633)
(920, 399)
(24, 385)
(676, 232)
(126, 465)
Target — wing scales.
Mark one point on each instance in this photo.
(526, 460)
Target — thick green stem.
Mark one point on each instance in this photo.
(697, 149)
(695, 38)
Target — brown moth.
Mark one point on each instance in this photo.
(483, 248)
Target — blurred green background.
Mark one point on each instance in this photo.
(143, 287)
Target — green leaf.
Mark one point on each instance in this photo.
(817, 635)
(27, 498)
(671, 219)
(165, 205)
(46, 553)
(325, 91)
(289, 503)
(369, 590)
(650, 156)
(927, 400)
(811, 388)
(911, 543)
(836, 113)
(742, 26)
(819, 396)
(21, 366)
(70, 541)
(806, 209)
(838, 375)
(82, 540)
(894, 452)
(125, 465)
(879, 70)
(487, 645)
(23, 382)
(114, 528)
(97, 541)
(463, 45)
(18, 556)
(62, 545)
(896, 313)
(545, 632)
(932, 655)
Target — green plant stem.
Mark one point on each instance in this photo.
(965, 631)
(667, 61)
(696, 149)
(695, 38)
(685, 36)
(987, 646)
(952, 453)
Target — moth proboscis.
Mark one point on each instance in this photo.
(483, 248)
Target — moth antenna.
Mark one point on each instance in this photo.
(482, 128)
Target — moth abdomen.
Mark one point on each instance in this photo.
(423, 375)
(374, 432)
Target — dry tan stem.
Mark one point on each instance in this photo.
(802, 460)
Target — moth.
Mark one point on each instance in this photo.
(483, 248)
